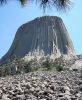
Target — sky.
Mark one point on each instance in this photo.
(13, 15)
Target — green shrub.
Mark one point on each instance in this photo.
(35, 68)
(59, 67)
(59, 64)
(47, 65)
(27, 68)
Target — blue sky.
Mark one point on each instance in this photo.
(13, 15)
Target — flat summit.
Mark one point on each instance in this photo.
(42, 36)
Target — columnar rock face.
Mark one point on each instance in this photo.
(43, 36)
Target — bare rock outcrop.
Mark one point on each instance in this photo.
(41, 37)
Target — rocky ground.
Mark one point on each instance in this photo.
(46, 85)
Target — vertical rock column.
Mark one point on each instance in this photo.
(45, 35)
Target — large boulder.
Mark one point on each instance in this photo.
(42, 36)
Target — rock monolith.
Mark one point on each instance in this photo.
(42, 36)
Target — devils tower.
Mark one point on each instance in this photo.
(45, 35)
